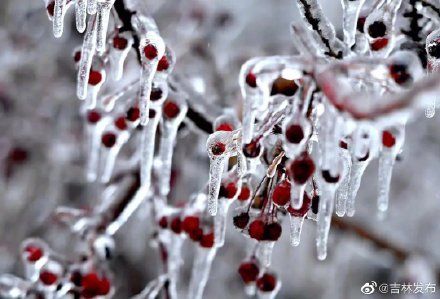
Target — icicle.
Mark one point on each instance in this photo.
(351, 11)
(102, 19)
(58, 17)
(392, 141)
(92, 7)
(304, 43)
(81, 15)
(118, 54)
(324, 219)
(108, 157)
(297, 195)
(342, 193)
(174, 111)
(152, 45)
(221, 145)
(87, 53)
(153, 288)
(220, 222)
(94, 133)
(200, 272)
(147, 147)
(296, 224)
(264, 252)
(96, 80)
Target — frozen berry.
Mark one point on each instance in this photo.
(95, 78)
(120, 123)
(388, 139)
(329, 178)
(207, 241)
(301, 169)
(241, 220)
(434, 50)
(196, 234)
(399, 73)
(108, 139)
(360, 24)
(150, 51)
(218, 148)
(245, 193)
(248, 271)
(48, 278)
(251, 80)
(228, 190)
(176, 225)
(163, 64)
(272, 231)
(252, 149)
(77, 56)
(120, 42)
(50, 8)
(294, 134)
(256, 229)
(379, 44)
(190, 223)
(133, 114)
(170, 109)
(151, 113)
(34, 253)
(266, 283)
(93, 285)
(156, 94)
(281, 193)
(301, 212)
(163, 222)
(224, 127)
(93, 116)
(377, 29)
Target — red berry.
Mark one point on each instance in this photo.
(252, 149)
(248, 271)
(94, 78)
(294, 134)
(150, 51)
(76, 278)
(266, 283)
(133, 114)
(284, 87)
(176, 225)
(218, 148)
(48, 278)
(399, 73)
(326, 175)
(108, 139)
(93, 116)
(77, 56)
(120, 123)
(241, 220)
(377, 29)
(301, 212)
(343, 144)
(120, 42)
(251, 80)
(379, 43)
(94, 286)
(207, 241)
(360, 24)
(170, 109)
(225, 127)
(245, 193)
(50, 8)
(301, 169)
(256, 229)
(196, 234)
(190, 223)
(18, 155)
(156, 94)
(163, 64)
(163, 222)
(34, 253)
(388, 139)
(272, 231)
(228, 191)
(281, 193)
(151, 113)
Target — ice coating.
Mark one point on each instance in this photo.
(58, 17)
(264, 252)
(296, 224)
(102, 19)
(117, 56)
(81, 15)
(87, 52)
(94, 133)
(342, 193)
(92, 7)
(220, 145)
(200, 272)
(351, 11)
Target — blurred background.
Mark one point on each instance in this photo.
(42, 155)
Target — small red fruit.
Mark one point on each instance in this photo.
(207, 241)
(256, 229)
(301, 169)
(196, 234)
(95, 78)
(228, 191)
(77, 56)
(48, 278)
(248, 271)
(379, 44)
(251, 80)
(301, 212)
(170, 109)
(225, 127)
(176, 225)
(281, 193)
(163, 64)
(34, 253)
(163, 222)
(50, 8)
(294, 134)
(266, 283)
(108, 139)
(245, 193)
(93, 116)
(241, 220)
(120, 42)
(150, 51)
(156, 94)
(218, 148)
(272, 231)
(120, 123)
(133, 114)
(252, 149)
(388, 139)
(190, 223)
(94, 286)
